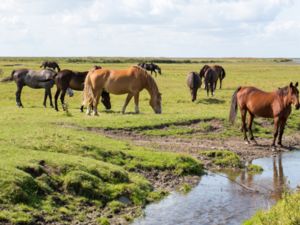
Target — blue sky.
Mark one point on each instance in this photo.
(168, 28)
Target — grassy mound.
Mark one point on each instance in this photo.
(286, 212)
(223, 158)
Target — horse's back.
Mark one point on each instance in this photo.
(193, 80)
(258, 102)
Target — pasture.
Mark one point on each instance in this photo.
(66, 166)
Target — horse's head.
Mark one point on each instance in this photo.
(155, 103)
(158, 69)
(294, 94)
(97, 67)
(105, 99)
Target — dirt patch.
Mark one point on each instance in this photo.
(193, 145)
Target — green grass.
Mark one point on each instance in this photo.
(223, 158)
(52, 166)
(252, 168)
(286, 212)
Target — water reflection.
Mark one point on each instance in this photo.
(222, 199)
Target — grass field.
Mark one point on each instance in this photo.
(51, 167)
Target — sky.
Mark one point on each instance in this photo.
(150, 28)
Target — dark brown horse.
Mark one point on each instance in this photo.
(194, 83)
(258, 103)
(50, 64)
(68, 79)
(219, 71)
(210, 79)
(34, 79)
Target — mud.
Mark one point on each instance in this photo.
(193, 144)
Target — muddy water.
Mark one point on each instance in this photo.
(220, 199)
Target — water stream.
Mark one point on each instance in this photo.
(218, 200)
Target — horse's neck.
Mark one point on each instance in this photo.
(151, 86)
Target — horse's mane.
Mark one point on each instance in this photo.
(150, 80)
(283, 91)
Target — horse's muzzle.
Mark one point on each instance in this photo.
(297, 106)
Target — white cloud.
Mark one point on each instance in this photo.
(146, 27)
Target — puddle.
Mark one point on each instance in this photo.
(217, 200)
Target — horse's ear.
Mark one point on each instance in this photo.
(291, 84)
(296, 85)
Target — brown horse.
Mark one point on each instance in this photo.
(68, 79)
(131, 82)
(194, 83)
(258, 103)
(210, 79)
(219, 70)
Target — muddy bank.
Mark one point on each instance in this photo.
(193, 145)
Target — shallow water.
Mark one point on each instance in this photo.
(218, 200)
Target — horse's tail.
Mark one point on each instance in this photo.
(10, 78)
(233, 107)
(57, 66)
(88, 95)
(223, 73)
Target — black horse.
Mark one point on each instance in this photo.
(68, 79)
(193, 82)
(50, 64)
(151, 67)
(34, 79)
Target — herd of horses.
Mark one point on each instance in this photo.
(99, 83)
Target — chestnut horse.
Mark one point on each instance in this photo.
(258, 103)
(130, 81)
(68, 79)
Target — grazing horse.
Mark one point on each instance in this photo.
(258, 103)
(50, 64)
(193, 82)
(210, 79)
(150, 67)
(34, 79)
(129, 81)
(68, 79)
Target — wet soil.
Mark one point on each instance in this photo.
(192, 143)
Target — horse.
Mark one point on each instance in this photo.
(193, 82)
(218, 69)
(68, 79)
(276, 105)
(221, 73)
(34, 79)
(151, 67)
(210, 79)
(129, 81)
(50, 64)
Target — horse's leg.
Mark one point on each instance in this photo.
(212, 84)
(18, 95)
(207, 88)
(276, 123)
(45, 98)
(250, 122)
(50, 97)
(136, 102)
(281, 130)
(56, 98)
(244, 126)
(128, 98)
(220, 82)
(97, 95)
(62, 99)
